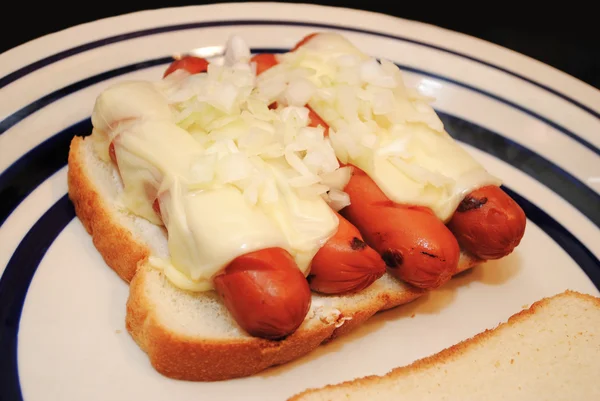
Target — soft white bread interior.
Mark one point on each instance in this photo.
(550, 351)
(192, 336)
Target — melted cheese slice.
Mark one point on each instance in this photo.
(386, 129)
(209, 223)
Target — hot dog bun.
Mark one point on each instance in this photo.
(192, 336)
(550, 351)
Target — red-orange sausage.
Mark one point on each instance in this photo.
(488, 223)
(192, 64)
(416, 246)
(345, 263)
(266, 293)
(263, 61)
(412, 241)
(304, 40)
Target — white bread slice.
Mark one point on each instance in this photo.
(191, 336)
(550, 351)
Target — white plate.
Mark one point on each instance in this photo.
(62, 310)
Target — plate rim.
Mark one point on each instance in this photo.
(574, 87)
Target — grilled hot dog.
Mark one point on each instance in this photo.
(487, 223)
(265, 292)
(344, 263)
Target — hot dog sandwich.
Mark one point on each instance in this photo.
(261, 205)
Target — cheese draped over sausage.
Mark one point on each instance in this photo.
(230, 175)
(379, 125)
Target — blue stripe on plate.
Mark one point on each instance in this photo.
(19, 180)
(31, 108)
(21, 268)
(52, 97)
(15, 75)
(14, 284)
(27, 173)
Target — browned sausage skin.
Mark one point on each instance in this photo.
(488, 223)
(416, 246)
(266, 293)
(345, 264)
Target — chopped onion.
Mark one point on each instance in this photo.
(372, 73)
(337, 199)
(398, 148)
(420, 174)
(295, 115)
(269, 192)
(227, 110)
(299, 92)
(233, 167)
(337, 179)
(303, 181)
(383, 102)
(236, 50)
(295, 161)
(311, 191)
(202, 169)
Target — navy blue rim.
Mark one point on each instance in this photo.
(21, 268)
(19, 180)
(19, 272)
(4, 125)
(58, 94)
(28, 69)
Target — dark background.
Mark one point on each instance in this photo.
(565, 35)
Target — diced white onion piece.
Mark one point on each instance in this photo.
(337, 179)
(369, 140)
(303, 181)
(398, 148)
(299, 92)
(251, 192)
(372, 73)
(420, 174)
(383, 102)
(349, 75)
(311, 191)
(202, 169)
(236, 50)
(292, 158)
(337, 199)
(269, 193)
(233, 167)
(296, 115)
(255, 140)
(224, 98)
(348, 60)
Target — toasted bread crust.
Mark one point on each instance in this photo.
(449, 353)
(188, 358)
(116, 244)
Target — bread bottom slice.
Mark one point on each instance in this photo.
(192, 336)
(550, 351)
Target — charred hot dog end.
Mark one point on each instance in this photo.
(488, 223)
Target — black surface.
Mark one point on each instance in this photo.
(564, 36)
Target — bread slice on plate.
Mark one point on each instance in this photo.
(191, 336)
(550, 351)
